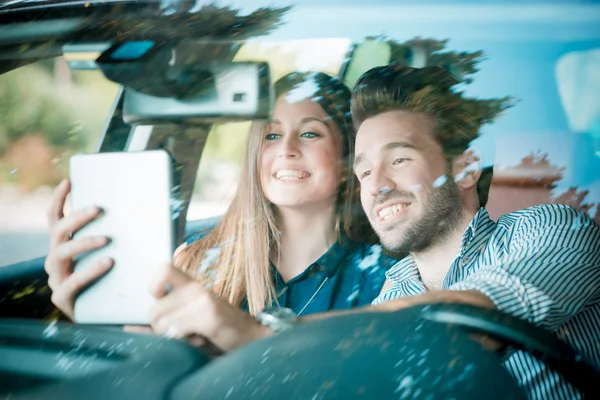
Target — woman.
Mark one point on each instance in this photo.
(286, 239)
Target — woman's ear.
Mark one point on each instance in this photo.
(466, 168)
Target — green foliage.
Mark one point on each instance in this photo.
(227, 142)
(29, 105)
(210, 20)
(47, 114)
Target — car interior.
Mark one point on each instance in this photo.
(161, 54)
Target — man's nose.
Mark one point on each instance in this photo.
(380, 183)
(288, 147)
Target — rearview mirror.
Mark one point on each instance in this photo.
(233, 91)
(187, 81)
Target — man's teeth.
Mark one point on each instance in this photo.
(288, 174)
(389, 212)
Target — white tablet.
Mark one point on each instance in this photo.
(134, 191)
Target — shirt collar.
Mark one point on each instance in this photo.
(479, 225)
(403, 270)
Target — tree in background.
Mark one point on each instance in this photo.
(30, 105)
(419, 53)
(45, 117)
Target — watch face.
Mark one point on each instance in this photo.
(278, 320)
(284, 314)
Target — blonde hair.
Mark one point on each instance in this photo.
(244, 240)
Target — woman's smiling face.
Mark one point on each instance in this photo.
(300, 161)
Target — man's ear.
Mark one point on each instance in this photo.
(466, 168)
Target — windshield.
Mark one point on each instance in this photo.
(538, 62)
(215, 86)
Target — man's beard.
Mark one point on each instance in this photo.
(443, 211)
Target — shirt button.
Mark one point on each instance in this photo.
(467, 259)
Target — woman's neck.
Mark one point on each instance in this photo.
(306, 234)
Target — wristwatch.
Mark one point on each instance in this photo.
(277, 319)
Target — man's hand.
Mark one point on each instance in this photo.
(63, 281)
(471, 297)
(190, 311)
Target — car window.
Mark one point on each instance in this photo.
(47, 114)
(219, 170)
(531, 68)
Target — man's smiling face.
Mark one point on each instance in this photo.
(405, 191)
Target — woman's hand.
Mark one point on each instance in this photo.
(62, 280)
(190, 311)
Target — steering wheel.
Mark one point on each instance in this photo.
(417, 353)
(59, 360)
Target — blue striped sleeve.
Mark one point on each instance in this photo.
(551, 271)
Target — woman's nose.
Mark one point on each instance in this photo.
(289, 147)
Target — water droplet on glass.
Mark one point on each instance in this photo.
(352, 296)
(460, 176)
(210, 259)
(302, 91)
(372, 259)
(51, 330)
(439, 181)
(405, 385)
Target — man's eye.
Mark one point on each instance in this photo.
(272, 136)
(399, 161)
(310, 135)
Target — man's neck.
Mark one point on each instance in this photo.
(434, 263)
(306, 234)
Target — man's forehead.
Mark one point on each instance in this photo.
(394, 126)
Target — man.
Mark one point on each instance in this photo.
(541, 264)
(423, 190)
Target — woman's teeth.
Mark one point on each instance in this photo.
(390, 211)
(288, 174)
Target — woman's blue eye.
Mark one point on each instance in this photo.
(272, 136)
(310, 135)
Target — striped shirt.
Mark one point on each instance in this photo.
(541, 264)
